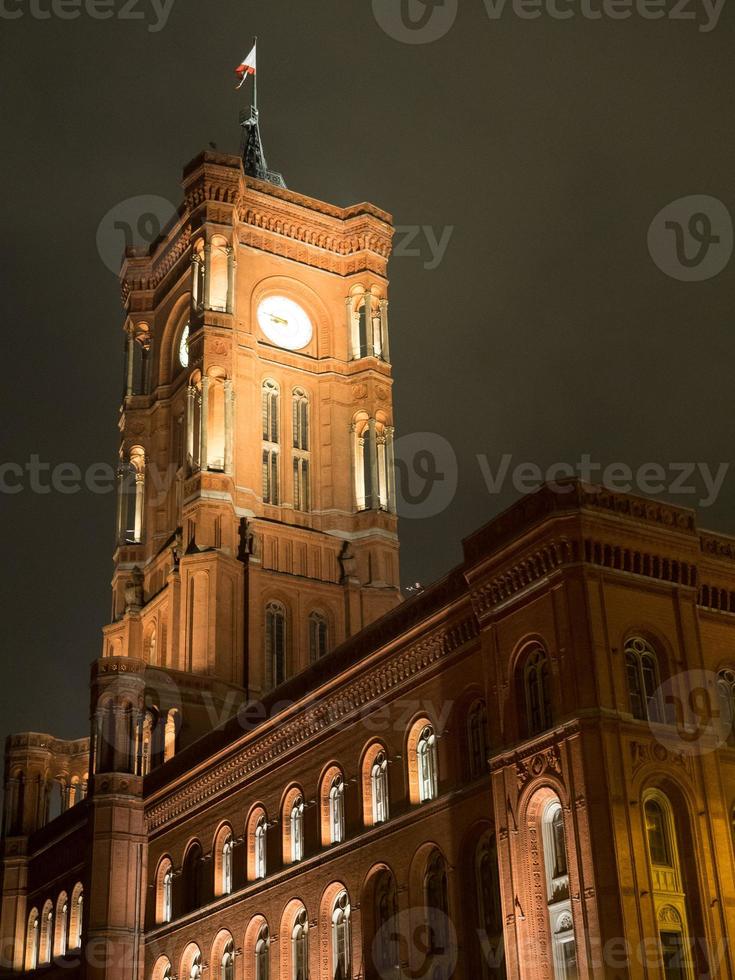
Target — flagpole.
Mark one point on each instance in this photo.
(255, 76)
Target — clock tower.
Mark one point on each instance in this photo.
(256, 519)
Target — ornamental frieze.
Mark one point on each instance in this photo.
(642, 753)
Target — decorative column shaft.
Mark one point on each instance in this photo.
(203, 425)
(390, 464)
(190, 396)
(229, 420)
(369, 344)
(373, 452)
(384, 329)
(130, 379)
(207, 273)
(139, 505)
(230, 279)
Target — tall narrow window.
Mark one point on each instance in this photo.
(262, 954)
(318, 637)
(195, 972)
(227, 866)
(337, 810)
(489, 909)
(379, 787)
(341, 945)
(300, 947)
(641, 665)
(558, 892)
(726, 698)
(33, 940)
(476, 741)
(76, 933)
(270, 418)
(427, 767)
(297, 830)
(47, 935)
(437, 904)
(62, 926)
(385, 944)
(260, 848)
(301, 460)
(167, 896)
(275, 643)
(538, 695)
(227, 971)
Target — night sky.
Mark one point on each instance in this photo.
(540, 149)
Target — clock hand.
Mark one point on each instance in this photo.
(277, 319)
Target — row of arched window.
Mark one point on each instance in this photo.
(645, 697)
(56, 930)
(174, 899)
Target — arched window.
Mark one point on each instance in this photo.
(62, 924)
(668, 887)
(641, 665)
(184, 347)
(337, 809)
(427, 765)
(301, 447)
(262, 954)
(297, 829)
(318, 637)
(275, 643)
(341, 944)
(557, 892)
(726, 698)
(373, 463)
(167, 895)
(77, 917)
(476, 740)
(489, 908)
(270, 413)
(537, 691)
(260, 848)
(227, 971)
(227, 866)
(47, 933)
(437, 904)
(169, 737)
(192, 878)
(379, 788)
(300, 947)
(195, 971)
(33, 941)
(384, 948)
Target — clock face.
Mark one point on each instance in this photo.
(184, 348)
(284, 322)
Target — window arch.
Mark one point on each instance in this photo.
(301, 450)
(436, 902)
(341, 940)
(318, 636)
(76, 916)
(164, 890)
(300, 946)
(373, 463)
(223, 860)
(641, 665)
(223, 956)
(477, 740)
(262, 954)
(558, 897)
(191, 963)
(669, 895)
(726, 699)
(162, 969)
(331, 796)
(381, 951)
(294, 828)
(537, 690)
(257, 839)
(489, 928)
(375, 785)
(275, 643)
(61, 941)
(192, 878)
(33, 940)
(47, 933)
(422, 762)
(270, 411)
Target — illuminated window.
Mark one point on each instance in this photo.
(379, 787)
(427, 765)
(558, 893)
(270, 400)
(262, 954)
(337, 810)
(184, 348)
(297, 830)
(300, 947)
(227, 970)
(227, 866)
(167, 897)
(260, 852)
(641, 666)
(341, 946)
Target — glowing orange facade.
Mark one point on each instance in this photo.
(525, 771)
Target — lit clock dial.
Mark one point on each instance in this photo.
(284, 322)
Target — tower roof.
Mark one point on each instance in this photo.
(253, 155)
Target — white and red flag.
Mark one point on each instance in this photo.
(246, 67)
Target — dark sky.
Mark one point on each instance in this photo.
(544, 148)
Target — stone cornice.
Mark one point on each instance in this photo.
(314, 717)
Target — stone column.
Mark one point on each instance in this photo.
(190, 396)
(229, 424)
(369, 345)
(139, 505)
(384, 329)
(196, 298)
(374, 478)
(353, 329)
(230, 279)
(130, 373)
(207, 273)
(390, 464)
(121, 508)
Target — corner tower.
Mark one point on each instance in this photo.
(256, 519)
